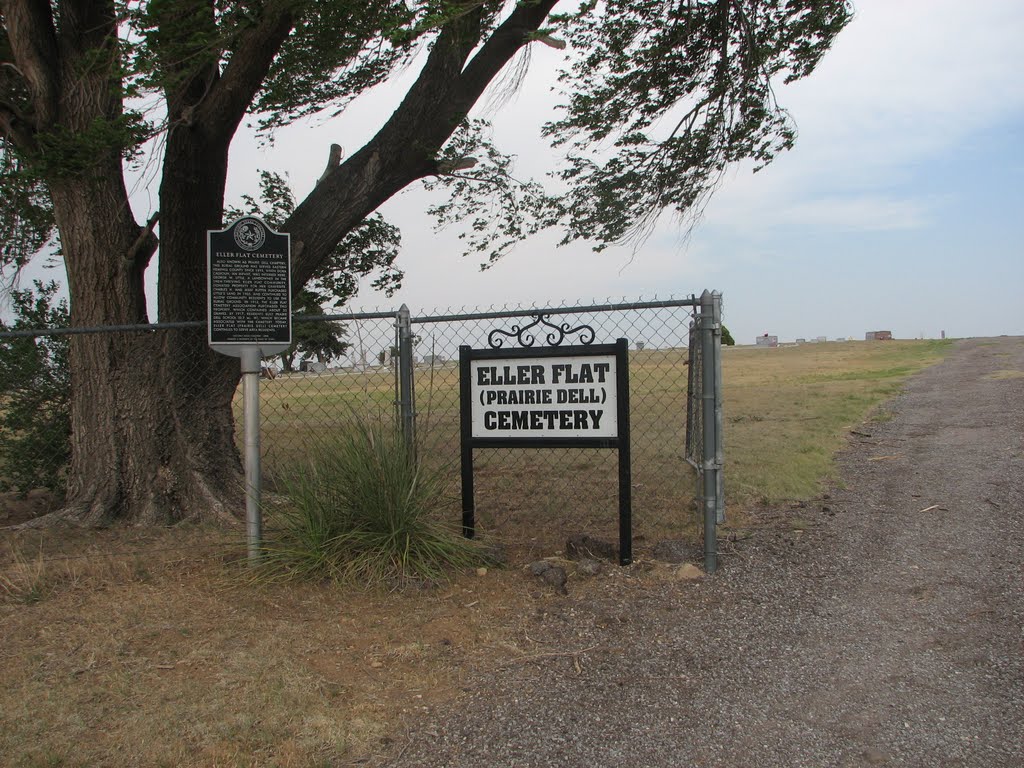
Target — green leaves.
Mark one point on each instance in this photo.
(64, 153)
(35, 425)
(320, 339)
(371, 247)
(26, 213)
(661, 96)
(336, 51)
(665, 94)
(501, 211)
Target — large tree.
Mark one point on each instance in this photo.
(661, 96)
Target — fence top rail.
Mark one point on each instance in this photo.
(497, 314)
(101, 329)
(346, 316)
(692, 301)
(140, 327)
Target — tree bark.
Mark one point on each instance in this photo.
(152, 426)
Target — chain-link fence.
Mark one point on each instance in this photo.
(532, 497)
(347, 366)
(305, 397)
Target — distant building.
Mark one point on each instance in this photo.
(767, 341)
(801, 341)
(878, 336)
(312, 366)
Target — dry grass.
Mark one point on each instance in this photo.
(164, 656)
(787, 411)
(1005, 374)
(129, 647)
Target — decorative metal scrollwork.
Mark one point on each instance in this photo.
(554, 337)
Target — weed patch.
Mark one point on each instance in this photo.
(359, 509)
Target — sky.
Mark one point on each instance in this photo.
(899, 208)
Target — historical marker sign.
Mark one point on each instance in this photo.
(249, 288)
(249, 316)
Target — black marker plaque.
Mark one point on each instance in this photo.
(249, 282)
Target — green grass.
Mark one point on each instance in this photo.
(788, 410)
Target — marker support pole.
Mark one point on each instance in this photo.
(253, 483)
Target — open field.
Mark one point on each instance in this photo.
(785, 413)
(127, 647)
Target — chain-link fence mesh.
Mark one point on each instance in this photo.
(694, 404)
(305, 398)
(534, 496)
(347, 367)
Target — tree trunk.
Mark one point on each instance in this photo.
(149, 445)
(151, 417)
(152, 420)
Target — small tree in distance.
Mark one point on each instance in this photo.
(322, 339)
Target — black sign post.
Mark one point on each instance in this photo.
(550, 397)
(248, 281)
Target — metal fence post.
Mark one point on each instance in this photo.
(716, 297)
(708, 328)
(406, 396)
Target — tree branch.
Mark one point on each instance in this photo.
(433, 101)
(515, 32)
(145, 244)
(406, 147)
(449, 167)
(33, 40)
(253, 52)
(333, 161)
(16, 127)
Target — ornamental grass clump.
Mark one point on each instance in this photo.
(359, 510)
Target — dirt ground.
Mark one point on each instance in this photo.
(881, 625)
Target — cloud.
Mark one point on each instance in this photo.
(909, 78)
(867, 214)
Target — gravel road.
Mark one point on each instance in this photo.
(887, 632)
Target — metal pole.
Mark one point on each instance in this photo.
(716, 297)
(405, 380)
(466, 444)
(710, 482)
(251, 405)
(625, 461)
